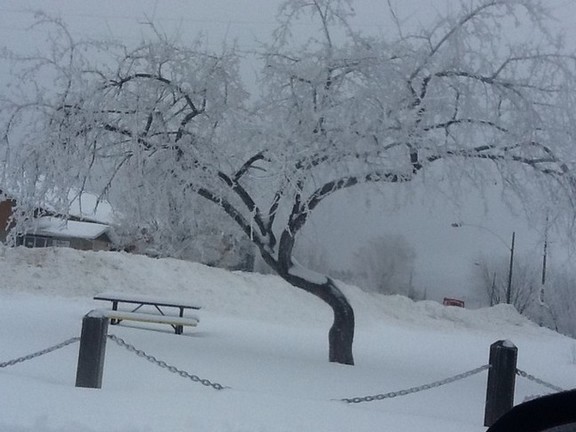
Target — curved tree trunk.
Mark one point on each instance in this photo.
(341, 334)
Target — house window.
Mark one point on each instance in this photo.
(33, 241)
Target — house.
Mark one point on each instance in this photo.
(54, 231)
(86, 227)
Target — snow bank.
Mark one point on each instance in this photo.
(258, 335)
(65, 272)
(80, 274)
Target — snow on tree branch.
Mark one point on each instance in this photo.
(165, 130)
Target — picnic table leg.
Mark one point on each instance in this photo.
(179, 329)
(114, 307)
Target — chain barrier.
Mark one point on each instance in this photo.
(417, 389)
(165, 365)
(39, 353)
(538, 380)
(217, 386)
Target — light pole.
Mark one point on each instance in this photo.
(544, 261)
(510, 248)
(510, 267)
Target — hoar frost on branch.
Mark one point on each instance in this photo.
(158, 122)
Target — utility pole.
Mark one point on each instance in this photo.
(510, 248)
(545, 255)
(510, 268)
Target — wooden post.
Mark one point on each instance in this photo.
(92, 350)
(501, 381)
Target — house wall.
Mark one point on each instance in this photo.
(85, 244)
(80, 244)
(101, 245)
(6, 207)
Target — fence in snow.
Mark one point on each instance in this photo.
(502, 370)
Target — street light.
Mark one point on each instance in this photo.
(510, 248)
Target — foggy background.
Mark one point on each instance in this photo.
(445, 256)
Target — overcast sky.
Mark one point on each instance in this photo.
(438, 246)
(246, 20)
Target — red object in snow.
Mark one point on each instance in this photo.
(453, 302)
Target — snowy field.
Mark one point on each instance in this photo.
(258, 336)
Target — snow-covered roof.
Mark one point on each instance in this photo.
(87, 206)
(52, 226)
(83, 205)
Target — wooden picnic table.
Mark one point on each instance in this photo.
(158, 305)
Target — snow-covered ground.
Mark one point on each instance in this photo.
(258, 336)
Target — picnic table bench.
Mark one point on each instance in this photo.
(158, 314)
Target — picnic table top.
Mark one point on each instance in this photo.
(144, 299)
(139, 316)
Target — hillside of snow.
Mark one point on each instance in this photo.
(263, 339)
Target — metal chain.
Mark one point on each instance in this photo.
(165, 365)
(217, 386)
(538, 380)
(40, 353)
(417, 389)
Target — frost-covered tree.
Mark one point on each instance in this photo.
(183, 227)
(485, 92)
(551, 304)
(557, 306)
(525, 285)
